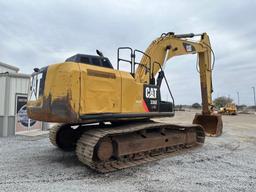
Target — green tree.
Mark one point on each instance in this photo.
(196, 106)
(222, 101)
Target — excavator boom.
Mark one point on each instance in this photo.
(170, 45)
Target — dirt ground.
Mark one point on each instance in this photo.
(226, 163)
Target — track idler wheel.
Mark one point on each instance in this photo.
(64, 136)
(212, 124)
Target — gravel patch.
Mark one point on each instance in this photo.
(226, 163)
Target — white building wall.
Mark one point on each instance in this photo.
(10, 85)
(17, 86)
(2, 94)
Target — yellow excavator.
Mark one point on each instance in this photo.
(105, 114)
(228, 109)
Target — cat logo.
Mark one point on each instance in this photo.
(151, 93)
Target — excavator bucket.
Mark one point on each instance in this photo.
(212, 124)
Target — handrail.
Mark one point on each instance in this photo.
(148, 69)
(125, 60)
(132, 61)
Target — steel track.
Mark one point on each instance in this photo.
(88, 141)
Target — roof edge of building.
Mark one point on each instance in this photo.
(9, 74)
(9, 66)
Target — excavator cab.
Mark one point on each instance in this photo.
(100, 61)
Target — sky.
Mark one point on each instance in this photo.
(39, 33)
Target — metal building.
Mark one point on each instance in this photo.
(13, 90)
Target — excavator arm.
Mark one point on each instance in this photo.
(170, 45)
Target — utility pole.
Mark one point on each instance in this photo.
(253, 89)
(238, 99)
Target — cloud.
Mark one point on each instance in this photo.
(38, 33)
